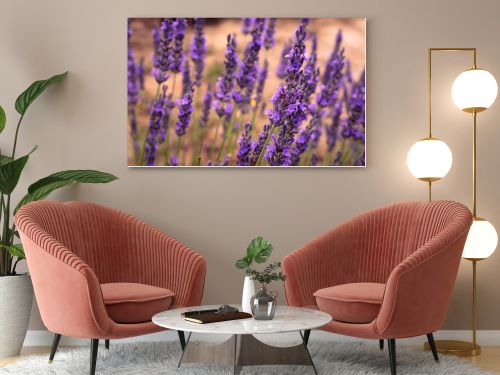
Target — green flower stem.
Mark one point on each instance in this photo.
(263, 151)
(229, 128)
(167, 140)
(234, 138)
(215, 137)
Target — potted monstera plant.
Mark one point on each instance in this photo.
(16, 291)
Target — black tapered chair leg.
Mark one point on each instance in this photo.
(94, 346)
(106, 344)
(55, 344)
(307, 333)
(381, 344)
(182, 339)
(392, 355)
(432, 344)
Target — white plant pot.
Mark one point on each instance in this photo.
(248, 292)
(16, 298)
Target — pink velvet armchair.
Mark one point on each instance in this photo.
(99, 273)
(385, 274)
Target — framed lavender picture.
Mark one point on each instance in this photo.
(249, 92)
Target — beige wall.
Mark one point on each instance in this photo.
(82, 124)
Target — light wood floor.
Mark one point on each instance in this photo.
(488, 360)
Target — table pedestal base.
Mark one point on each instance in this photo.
(246, 350)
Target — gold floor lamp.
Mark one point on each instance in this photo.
(430, 159)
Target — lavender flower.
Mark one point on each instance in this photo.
(355, 126)
(155, 33)
(135, 79)
(329, 89)
(198, 49)
(310, 70)
(314, 159)
(244, 155)
(167, 111)
(333, 56)
(283, 65)
(173, 161)
(207, 104)
(302, 141)
(140, 73)
(155, 121)
(333, 129)
(290, 108)
(133, 83)
(179, 26)
(225, 83)
(246, 25)
(185, 110)
(163, 50)
(269, 40)
(338, 158)
(186, 77)
(261, 81)
(247, 74)
(258, 145)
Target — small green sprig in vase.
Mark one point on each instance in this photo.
(261, 304)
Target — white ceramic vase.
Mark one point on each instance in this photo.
(16, 298)
(248, 292)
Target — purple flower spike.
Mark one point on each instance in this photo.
(245, 151)
(283, 65)
(169, 105)
(310, 70)
(133, 84)
(355, 127)
(163, 52)
(185, 110)
(225, 83)
(261, 81)
(155, 122)
(179, 26)
(207, 104)
(198, 50)
(333, 129)
(269, 40)
(186, 77)
(333, 56)
(289, 104)
(247, 74)
(173, 162)
(332, 81)
(257, 146)
(246, 25)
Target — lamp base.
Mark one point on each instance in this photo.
(456, 348)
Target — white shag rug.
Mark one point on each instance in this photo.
(153, 358)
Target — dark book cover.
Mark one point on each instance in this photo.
(212, 317)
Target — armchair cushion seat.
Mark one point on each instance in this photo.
(353, 302)
(133, 302)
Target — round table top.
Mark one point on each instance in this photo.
(286, 319)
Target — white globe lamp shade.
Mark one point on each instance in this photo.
(429, 159)
(474, 90)
(481, 241)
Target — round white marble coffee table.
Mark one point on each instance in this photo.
(242, 348)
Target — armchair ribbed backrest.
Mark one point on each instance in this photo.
(92, 232)
(368, 247)
(386, 236)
